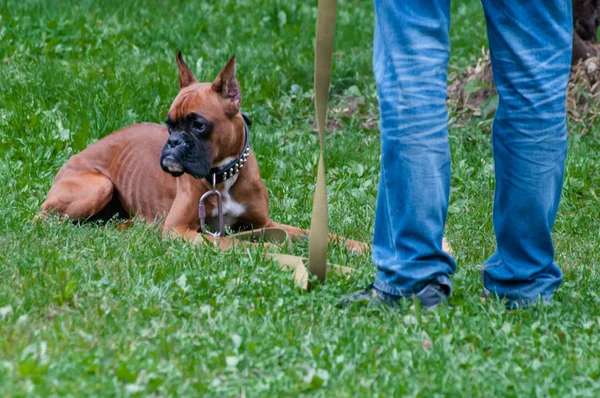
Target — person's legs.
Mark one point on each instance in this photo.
(530, 44)
(410, 63)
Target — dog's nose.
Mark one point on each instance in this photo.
(175, 141)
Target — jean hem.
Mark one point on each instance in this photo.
(513, 300)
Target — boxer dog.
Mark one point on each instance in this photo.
(160, 173)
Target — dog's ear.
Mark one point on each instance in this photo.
(186, 77)
(228, 88)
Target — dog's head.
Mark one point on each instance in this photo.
(205, 123)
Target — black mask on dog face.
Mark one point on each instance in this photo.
(188, 148)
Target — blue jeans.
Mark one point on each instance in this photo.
(530, 45)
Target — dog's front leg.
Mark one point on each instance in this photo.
(186, 233)
(183, 220)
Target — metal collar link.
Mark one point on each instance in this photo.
(202, 210)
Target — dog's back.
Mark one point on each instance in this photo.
(105, 171)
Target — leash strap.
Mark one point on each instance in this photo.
(323, 58)
(316, 264)
(287, 261)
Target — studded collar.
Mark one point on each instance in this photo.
(220, 174)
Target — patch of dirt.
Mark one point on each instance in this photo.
(347, 108)
(354, 107)
(583, 102)
(472, 94)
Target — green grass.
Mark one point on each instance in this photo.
(87, 311)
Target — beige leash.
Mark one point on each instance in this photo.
(323, 59)
(317, 255)
(319, 237)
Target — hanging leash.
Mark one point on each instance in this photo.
(316, 264)
(319, 237)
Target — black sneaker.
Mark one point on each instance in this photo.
(430, 297)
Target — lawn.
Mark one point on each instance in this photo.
(86, 310)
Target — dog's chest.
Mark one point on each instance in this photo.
(232, 210)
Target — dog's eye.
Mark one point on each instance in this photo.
(199, 127)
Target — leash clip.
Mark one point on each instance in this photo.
(202, 209)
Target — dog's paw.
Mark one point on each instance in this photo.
(356, 246)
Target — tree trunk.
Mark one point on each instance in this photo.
(586, 19)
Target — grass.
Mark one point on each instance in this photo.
(90, 311)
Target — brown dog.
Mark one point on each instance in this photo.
(206, 137)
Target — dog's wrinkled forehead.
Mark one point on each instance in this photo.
(197, 98)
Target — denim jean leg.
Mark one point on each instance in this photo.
(410, 63)
(530, 44)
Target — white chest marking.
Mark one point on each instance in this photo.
(230, 207)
